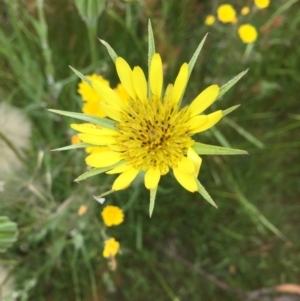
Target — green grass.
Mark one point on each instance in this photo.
(188, 250)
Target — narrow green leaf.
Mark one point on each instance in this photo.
(205, 194)
(229, 110)
(206, 149)
(84, 78)
(73, 146)
(96, 171)
(231, 83)
(110, 51)
(244, 133)
(107, 123)
(195, 55)
(151, 52)
(152, 200)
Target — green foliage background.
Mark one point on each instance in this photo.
(188, 250)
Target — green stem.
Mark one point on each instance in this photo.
(92, 33)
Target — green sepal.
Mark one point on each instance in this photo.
(107, 123)
(73, 146)
(8, 233)
(205, 194)
(151, 52)
(231, 83)
(80, 75)
(110, 51)
(206, 149)
(96, 171)
(195, 55)
(152, 200)
(229, 110)
(103, 194)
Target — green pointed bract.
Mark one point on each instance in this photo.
(206, 149)
(195, 55)
(73, 146)
(229, 110)
(151, 51)
(8, 233)
(110, 51)
(96, 171)
(152, 200)
(103, 194)
(231, 83)
(106, 123)
(80, 75)
(205, 194)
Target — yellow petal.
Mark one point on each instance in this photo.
(125, 178)
(152, 177)
(204, 100)
(194, 157)
(188, 181)
(180, 83)
(109, 96)
(89, 128)
(96, 149)
(103, 159)
(110, 111)
(186, 165)
(168, 93)
(156, 75)
(97, 140)
(212, 119)
(119, 169)
(140, 83)
(195, 122)
(125, 75)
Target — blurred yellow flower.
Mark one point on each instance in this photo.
(90, 97)
(247, 33)
(262, 3)
(234, 21)
(245, 10)
(111, 248)
(82, 210)
(226, 13)
(75, 139)
(112, 215)
(209, 20)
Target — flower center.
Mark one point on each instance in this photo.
(153, 134)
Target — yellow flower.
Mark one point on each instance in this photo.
(247, 33)
(75, 139)
(152, 133)
(262, 3)
(82, 210)
(112, 216)
(226, 13)
(90, 97)
(209, 20)
(111, 248)
(245, 10)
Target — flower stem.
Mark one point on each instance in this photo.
(92, 33)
